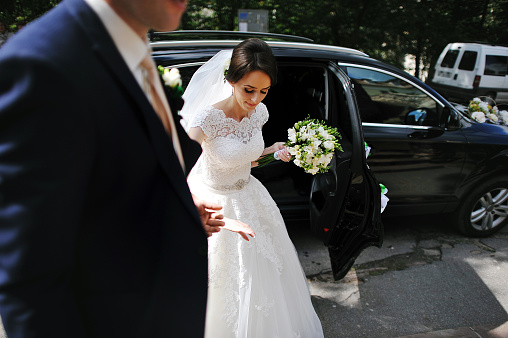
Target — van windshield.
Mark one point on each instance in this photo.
(450, 58)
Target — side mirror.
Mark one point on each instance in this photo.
(415, 117)
(422, 117)
(449, 119)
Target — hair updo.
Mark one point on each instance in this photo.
(251, 55)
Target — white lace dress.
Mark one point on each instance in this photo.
(256, 288)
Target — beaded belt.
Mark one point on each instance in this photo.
(238, 185)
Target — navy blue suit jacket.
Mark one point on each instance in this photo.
(99, 236)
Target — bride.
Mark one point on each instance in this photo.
(257, 287)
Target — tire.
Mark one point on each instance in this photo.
(484, 211)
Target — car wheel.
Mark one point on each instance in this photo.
(484, 211)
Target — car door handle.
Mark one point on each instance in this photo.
(418, 135)
(429, 133)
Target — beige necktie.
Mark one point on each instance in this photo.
(155, 94)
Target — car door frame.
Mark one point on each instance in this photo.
(345, 203)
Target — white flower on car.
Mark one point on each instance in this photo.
(492, 117)
(484, 106)
(478, 116)
(504, 115)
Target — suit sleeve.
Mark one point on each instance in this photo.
(45, 160)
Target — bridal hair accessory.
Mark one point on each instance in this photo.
(206, 87)
(312, 145)
(226, 68)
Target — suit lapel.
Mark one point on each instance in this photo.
(191, 149)
(109, 55)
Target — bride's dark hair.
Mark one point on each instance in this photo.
(251, 55)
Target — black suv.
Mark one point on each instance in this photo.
(431, 157)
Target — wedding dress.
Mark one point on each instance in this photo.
(256, 288)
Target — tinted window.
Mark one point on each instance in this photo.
(450, 58)
(383, 98)
(468, 60)
(496, 65)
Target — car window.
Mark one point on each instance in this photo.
(468, 60)
(385, 98)
(450, 58)
(496, 65)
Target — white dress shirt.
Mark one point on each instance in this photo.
(133, 49)
(130, 45)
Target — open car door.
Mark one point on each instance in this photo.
(345, 202)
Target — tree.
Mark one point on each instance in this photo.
(387, 30)
(20, 12)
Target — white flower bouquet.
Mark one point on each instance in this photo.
(482, 111)
(311, 144)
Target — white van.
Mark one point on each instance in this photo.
(467, 70)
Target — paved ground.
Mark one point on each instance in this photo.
(426, 281)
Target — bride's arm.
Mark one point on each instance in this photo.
(197, 134)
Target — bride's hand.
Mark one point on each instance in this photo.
(241, 228)
(284, 154)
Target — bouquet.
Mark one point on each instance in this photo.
(311, 144)
(482, 112)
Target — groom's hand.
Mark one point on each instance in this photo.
(211, 219)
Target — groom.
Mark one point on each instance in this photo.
(99, 235)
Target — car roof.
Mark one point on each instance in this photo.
(196, 44)
(199, 46)
(222, 35)
(202, 50)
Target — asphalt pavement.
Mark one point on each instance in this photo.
(426, 281)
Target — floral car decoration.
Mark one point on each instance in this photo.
(483, 111)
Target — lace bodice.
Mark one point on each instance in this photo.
(230, 146)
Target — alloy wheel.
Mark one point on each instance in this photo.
(490, 210)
